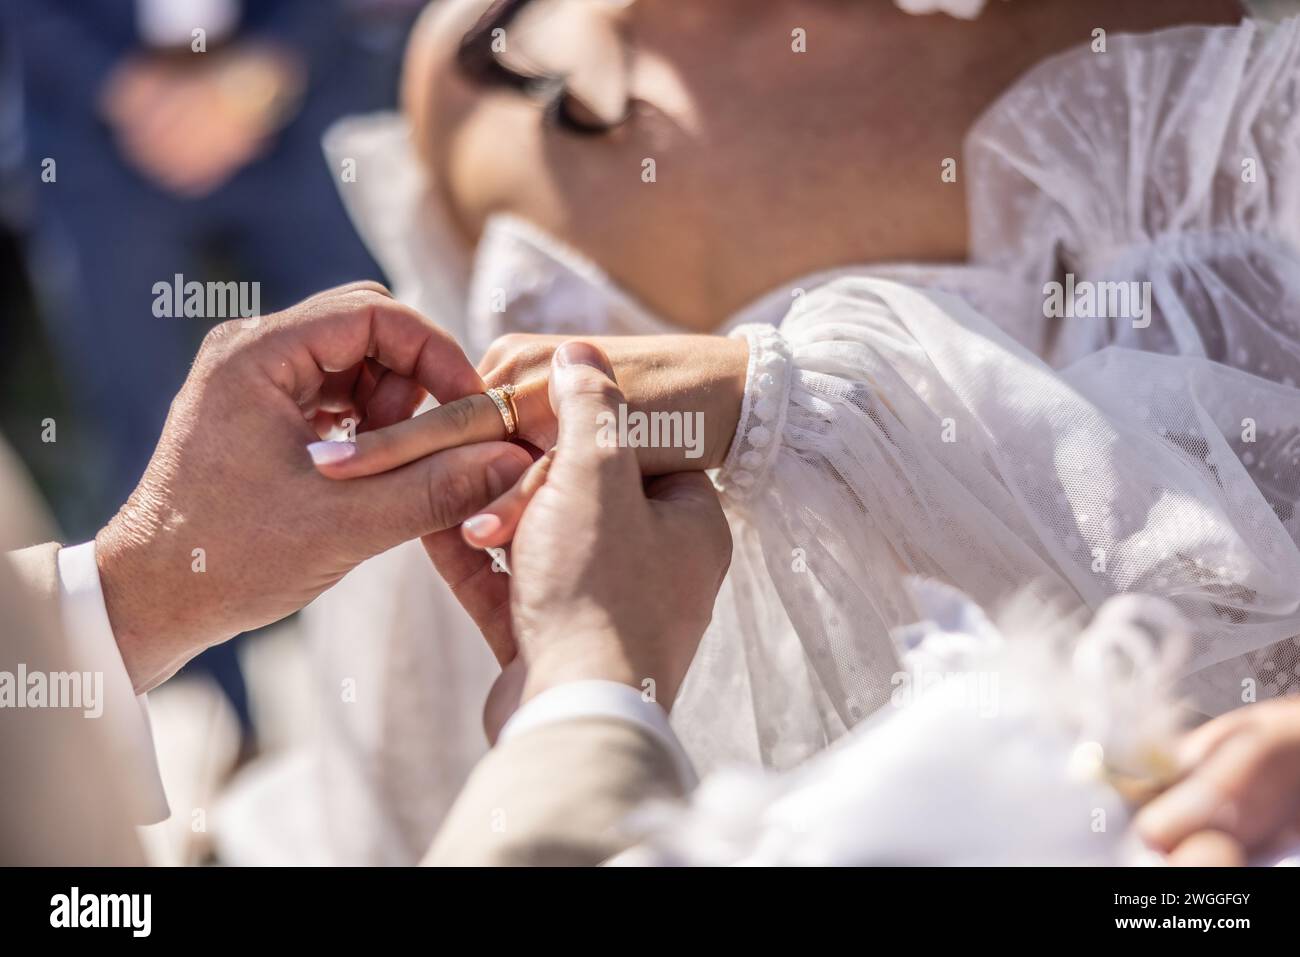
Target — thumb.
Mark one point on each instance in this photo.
(586, 401)
(689, 504)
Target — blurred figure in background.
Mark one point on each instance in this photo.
(172, 138)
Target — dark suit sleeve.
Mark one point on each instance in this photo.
(311, 28)
(68, 47)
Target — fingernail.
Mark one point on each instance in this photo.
(481, 526)
(331, 453)
(578, 353)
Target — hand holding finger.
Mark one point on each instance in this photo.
(585, 398)
(581, 391)
(338, 329)
(474, 418)
(462, 422)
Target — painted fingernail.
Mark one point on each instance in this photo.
(331, 453)
(481, 526)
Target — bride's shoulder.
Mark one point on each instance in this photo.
(1130, 138)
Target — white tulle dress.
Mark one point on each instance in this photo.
(914, 420)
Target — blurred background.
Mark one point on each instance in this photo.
(127, 159)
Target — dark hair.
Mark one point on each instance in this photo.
(477, 60)
(475, 56)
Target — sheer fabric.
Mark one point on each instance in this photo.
(1170, 160)
(913, 420)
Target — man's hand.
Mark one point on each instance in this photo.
(611, 579)
(231, 527)
(698, 381)
(1242, 792)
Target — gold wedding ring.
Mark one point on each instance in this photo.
(503, 396)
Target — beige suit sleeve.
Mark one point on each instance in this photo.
(557, 796)
(37, 570)
(61, 802)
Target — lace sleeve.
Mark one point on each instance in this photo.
(1169, 163)
(889, 431)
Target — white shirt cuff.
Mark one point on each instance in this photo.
(93, 648)
(600, 699)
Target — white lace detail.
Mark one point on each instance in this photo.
(1081, 463)
(1169, 160)
(762, 415)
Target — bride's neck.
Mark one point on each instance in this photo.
(906, 129)
(795, 165)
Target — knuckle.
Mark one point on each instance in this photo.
(452, 495)
(591, 384)
(354, 297)
(218, 341)
(364, 299)
(365, 287)
(512, 342)
(216, 335)
(509, 355)
(459, 414)
(535, 352)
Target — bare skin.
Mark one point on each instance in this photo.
(770, 164)
(1241, 793)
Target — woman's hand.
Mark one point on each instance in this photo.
(1242, 793)
(614, 578)
(684, 395)
(699, 378)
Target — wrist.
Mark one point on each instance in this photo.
(150, 610)
(643, 661)
(700, 379)
(592, 658)
(730, 376)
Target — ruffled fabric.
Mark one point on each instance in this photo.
(762, 412)
(921, 439)
(526, 281)
(913, 419)
(402, 221)
(1170, 160)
